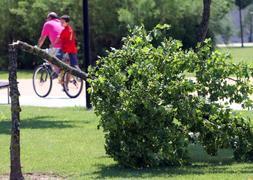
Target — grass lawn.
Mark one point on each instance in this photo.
(22, 74)
(66, 142)
(241, 54)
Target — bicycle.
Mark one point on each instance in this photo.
(43, 81)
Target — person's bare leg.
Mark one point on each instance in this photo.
(56, 69)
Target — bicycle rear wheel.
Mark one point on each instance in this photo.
(72, 85)
(42, 81)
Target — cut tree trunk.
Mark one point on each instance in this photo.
(54, 60)
(203, 28)
(16, 172)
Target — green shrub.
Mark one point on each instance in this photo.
(150, 110)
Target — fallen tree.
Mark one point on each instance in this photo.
(54, 60)
(150, 111)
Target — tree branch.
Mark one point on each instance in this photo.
(232, 79)
(54, 60)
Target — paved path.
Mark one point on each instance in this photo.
(57, 98)
(247, 44)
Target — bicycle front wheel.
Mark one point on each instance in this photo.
(72, 85)
(42, 81)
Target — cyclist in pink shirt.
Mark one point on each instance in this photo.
(52, 29)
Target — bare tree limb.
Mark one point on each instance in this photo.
(232, 79)
(54, 60)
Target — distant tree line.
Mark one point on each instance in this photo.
(109, 20)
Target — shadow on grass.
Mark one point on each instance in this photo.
(202, 163)
(39, 122)
(115, 171)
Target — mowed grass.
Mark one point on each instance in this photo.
(66, 142)
(244, 55)
(21, 74)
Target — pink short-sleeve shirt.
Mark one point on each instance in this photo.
(52, 29)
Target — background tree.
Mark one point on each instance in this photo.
(203, 28)
(109, 21)
(241, 5)
(183, 16)
(106, 30)
(225, 29)
(248, 22)
(7, 29)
